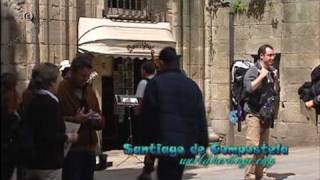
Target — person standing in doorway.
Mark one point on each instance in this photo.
(147, 72)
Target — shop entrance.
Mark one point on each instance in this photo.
(124, 80)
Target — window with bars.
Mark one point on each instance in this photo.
(125, 4)
(128, 9)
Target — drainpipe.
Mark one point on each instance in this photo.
(230, 139)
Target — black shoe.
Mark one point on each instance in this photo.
(103, 166)
(144, 176)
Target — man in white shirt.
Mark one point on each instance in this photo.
(148, 71)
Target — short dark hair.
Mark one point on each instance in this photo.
(168, 55)
(43, 75)
(148, 67)
(82, 61)
(262, 49)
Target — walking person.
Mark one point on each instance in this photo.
(262, 86)
(80, 105)
(173, 114)
(44, 116)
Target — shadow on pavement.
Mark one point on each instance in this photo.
(121, 174)
(279, 176)
(189, 175)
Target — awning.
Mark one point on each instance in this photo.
(105, 36)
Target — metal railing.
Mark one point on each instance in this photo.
(138, 10)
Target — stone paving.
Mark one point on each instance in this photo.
(302, 163)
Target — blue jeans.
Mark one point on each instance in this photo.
(79, 165)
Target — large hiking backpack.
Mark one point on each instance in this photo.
(238, 71)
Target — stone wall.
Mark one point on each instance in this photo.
(291, 26)
(51, 36)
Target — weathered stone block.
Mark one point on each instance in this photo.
(291, 112)
(221, 91)
(221, 18)
(241, 32)
(56, 32)
(308, 11)
(289, 12)
(220, 109)
(305, 45)
(300, 29)
(43, 11)
(72, 13)
(175, 20)
(220, 75)
(221, 48)
(220, 61)
(220, 126)
(254, 44)
(31, 32)
(295, 75)
(262, 31)
(220, 32)
(196, 72)
(43, 53)
(291, 92)
(20, 52)
(207, 93)
(186, 36)
(300, 60)
(240, 46)
(197, 9)
(197, 56)
(55, 2)
(197, 38)
(196, 21)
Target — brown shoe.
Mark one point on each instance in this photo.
(249, 177)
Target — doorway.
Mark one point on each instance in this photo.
(124, 80)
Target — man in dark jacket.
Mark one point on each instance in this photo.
(173, 113)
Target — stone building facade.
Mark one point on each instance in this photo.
(46, 31)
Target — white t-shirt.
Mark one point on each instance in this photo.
(142, 86)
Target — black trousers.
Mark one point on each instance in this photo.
(79, 166)
(149, 160)
(169, 168)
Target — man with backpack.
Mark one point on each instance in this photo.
(261, 87)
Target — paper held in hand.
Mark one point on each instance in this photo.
(70, 127)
